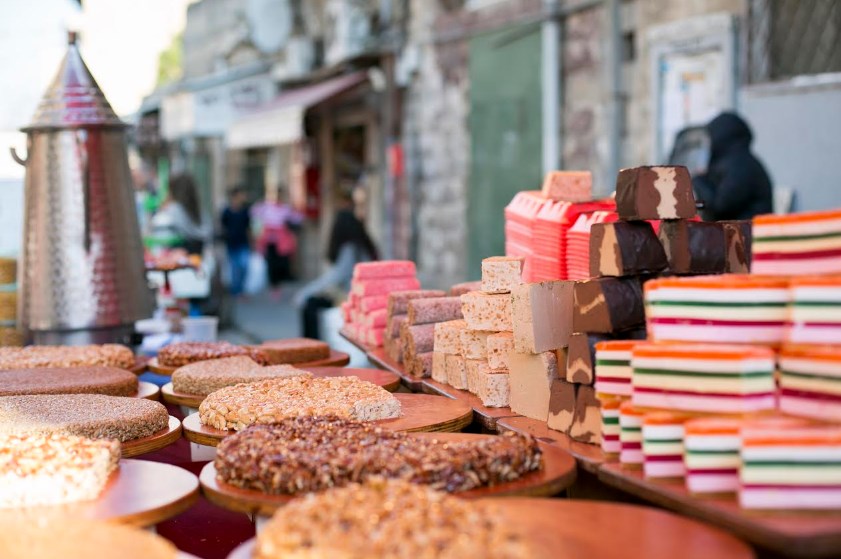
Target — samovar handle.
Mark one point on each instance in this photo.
(17, 157)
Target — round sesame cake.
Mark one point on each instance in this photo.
(68, 380)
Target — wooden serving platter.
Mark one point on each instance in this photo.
(421, 412)
(336, 359)
(148, 391)
(566, 528)
(558, 474)
(139, 493)
(589, 456)
(140, 364)
(159, 440)
(387, 380)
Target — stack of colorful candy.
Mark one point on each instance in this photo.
(711, 454)
(799, 244)
(810, 381)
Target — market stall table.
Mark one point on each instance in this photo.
(565, 528)
(557, 475)
(787, 533)
(336, 359)
(589, 456)
(420, 412)
(486, 416)
(380, 358)
(152, 443)
(387, 380)
(139, 493)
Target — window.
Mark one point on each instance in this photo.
(788, 38)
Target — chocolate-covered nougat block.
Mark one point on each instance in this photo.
(694, 247)
(607, 305)
(654, 193)
(625, 248)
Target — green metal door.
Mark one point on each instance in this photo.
(505, 133)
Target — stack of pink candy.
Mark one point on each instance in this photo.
(365, 312)
(578, 243)
(537, 223)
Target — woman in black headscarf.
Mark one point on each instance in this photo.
(736, 185)
(349, 244)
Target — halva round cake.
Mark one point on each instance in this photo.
(30, 357)
(87, 415)
(307, 454)
(68, 380)
(389, 520)
(54, 469)
(184, 353)
(73, 538)
(269, 401)
(205, 377)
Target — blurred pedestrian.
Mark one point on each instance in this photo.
(736, 185)
(349, 244)
(236, 232)
(278, 223)
(178, 223)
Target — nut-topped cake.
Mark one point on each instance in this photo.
(389, 520)
(30, 357)
(87, 415)
(74, 538)
(54, 469)
(308, 454)
(205, 377)
(68, 380)
(269, 401)
(184, 353)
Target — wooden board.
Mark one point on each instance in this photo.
(159, 440)
(796, 534)
(336, 359)
(566, 528)
(380, 358)
(589, 456)
(421, 412)
(140, 364)
(558, 474)
(486, 416)
(140, 493)
(387, 380)
(148, 391)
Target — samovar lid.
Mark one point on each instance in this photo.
(74, 99)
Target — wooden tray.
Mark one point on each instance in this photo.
(159, 440)
(140, 364)
(487, 417)
(380, 358)
(789, 533)
(387, 380)
(421, 412)
(589, 456)
(565, 528)
(336, 359)
(557, 475)
(148, 391)
(140, 493)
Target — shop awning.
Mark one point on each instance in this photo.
(281, 121)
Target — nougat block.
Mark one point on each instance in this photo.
(607, 305)
(499, 346)
(474, 368)
(486, 311)
(501, 273)
(625, 248)
(694, 247)
(531, 377)
(738, 236)
(568, 186)
(435, 309)
(494, 389)
(542, 315)
(581, 356)
(439, 367)
(456, 372)
(448, 336)
(587, 424)
(651, 193)
(561, 405)
(474, 344)
(422, 365)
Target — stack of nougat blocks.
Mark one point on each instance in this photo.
(397, 317)
(472, 354)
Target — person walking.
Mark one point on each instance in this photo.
(178, 222)
(349, 244)
(736, 185)
(236, 232)
(277, 241)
